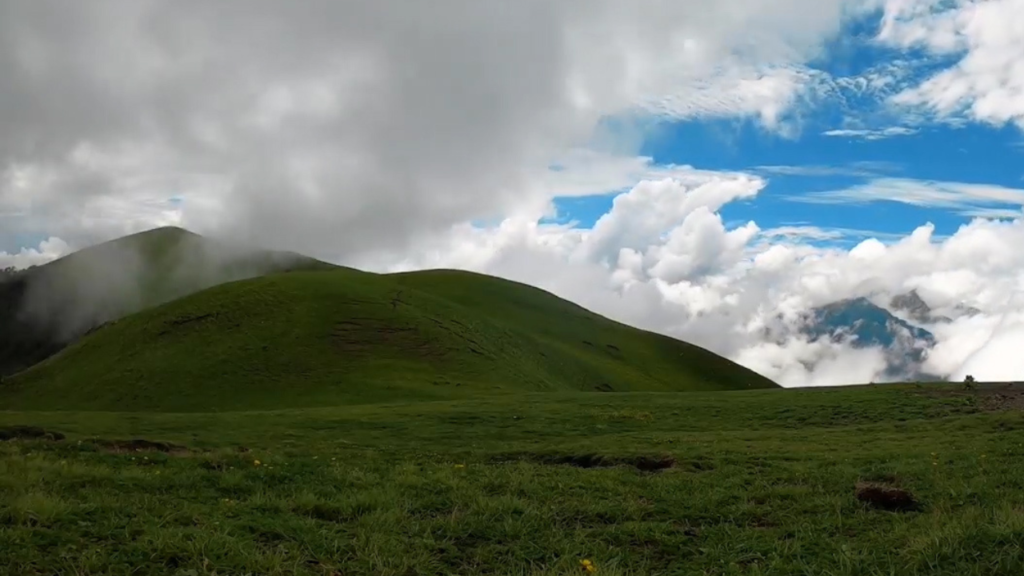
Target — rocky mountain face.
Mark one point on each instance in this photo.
(914, 306)
(918, 310)
(865, 325)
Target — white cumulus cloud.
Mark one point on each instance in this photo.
(662, 259)
(48, 250)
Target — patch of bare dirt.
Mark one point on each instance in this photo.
(990, 396)
(642, 462)
(28, 433)
(886, 497)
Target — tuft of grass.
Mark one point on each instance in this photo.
(35, 509)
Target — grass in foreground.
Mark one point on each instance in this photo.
(762, 483)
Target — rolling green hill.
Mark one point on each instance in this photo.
(348, 337)
(43, 309)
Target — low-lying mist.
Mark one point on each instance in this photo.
(45, 308)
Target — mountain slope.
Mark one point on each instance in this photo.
(918, 310)
(348, 337)
(868, 325)
(915, 307)
(43, 309)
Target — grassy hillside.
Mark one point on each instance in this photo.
(44, 308)
(342, 337)
(740, 483)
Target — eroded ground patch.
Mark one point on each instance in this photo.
(29, 433)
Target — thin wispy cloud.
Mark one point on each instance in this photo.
(802, 232)
(866, 169)
(993, 213)
(964, 198)
(872, 134)
(807, 233)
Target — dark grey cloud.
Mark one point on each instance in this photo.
(334, 127)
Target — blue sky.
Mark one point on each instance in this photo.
(812, 162)
(842, 138)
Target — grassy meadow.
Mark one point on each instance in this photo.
(744, 482)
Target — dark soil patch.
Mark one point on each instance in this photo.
(886, 497)
(1002, 401)
(28, 433)
(642, 462)
(990, 396)
(139, 445)
(190, 319)
(173, 323)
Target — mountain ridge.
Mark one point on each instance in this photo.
(863, 323)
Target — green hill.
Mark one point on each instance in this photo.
(347, 337)
(43, 309)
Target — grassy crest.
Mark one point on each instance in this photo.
(346, 337)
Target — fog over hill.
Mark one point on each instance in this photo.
(46, 307)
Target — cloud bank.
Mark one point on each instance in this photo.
(663, 259)
(332, 127)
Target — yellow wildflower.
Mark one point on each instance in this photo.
(588, 566)
(255, 462)
(460, 465)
